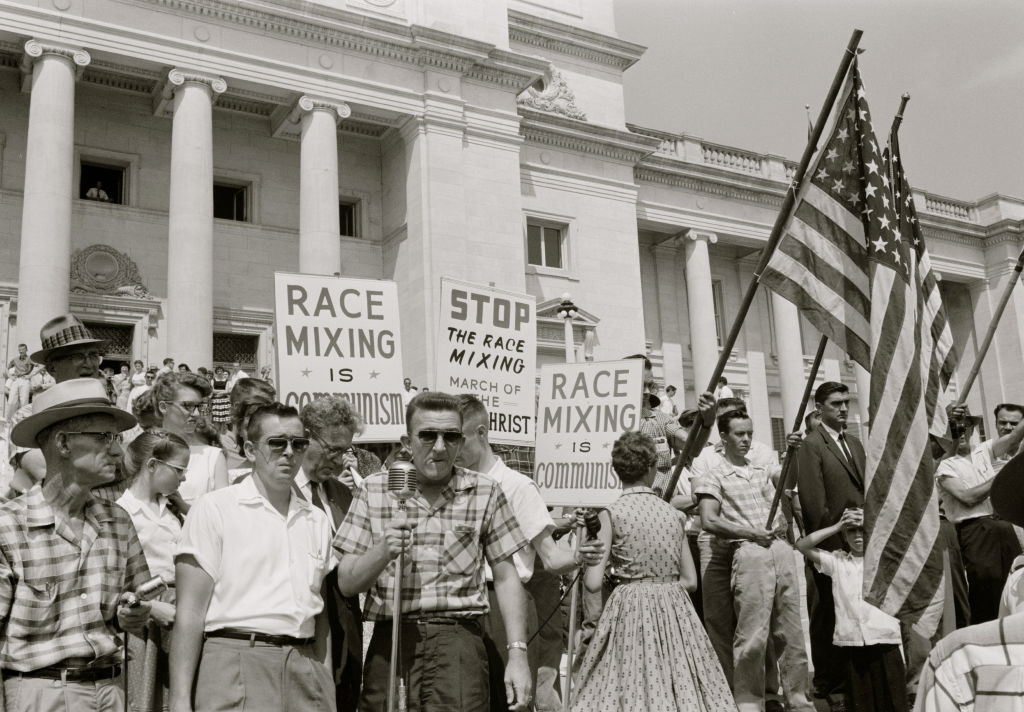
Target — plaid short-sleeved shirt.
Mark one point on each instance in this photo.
(745, 493)
(444, 566)
(58, 590)
(657, 425)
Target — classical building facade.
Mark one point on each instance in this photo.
(160, 159)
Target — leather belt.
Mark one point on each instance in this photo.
(253, 637)
(65, 674)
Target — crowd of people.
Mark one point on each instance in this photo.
(178, 540)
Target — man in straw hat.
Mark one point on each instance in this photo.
(66, 558)
(982, 663)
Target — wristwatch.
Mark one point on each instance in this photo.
(516, 645)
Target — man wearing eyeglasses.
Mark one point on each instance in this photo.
(66, 558)
(456, 521)
(249, 570)
(329, 474)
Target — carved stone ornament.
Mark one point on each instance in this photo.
(100, 269)
(555, 98)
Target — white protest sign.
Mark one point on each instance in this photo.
(584, 407)
(487, 346)
(340, 336)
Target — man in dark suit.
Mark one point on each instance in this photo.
(831, 479)
(330, 470)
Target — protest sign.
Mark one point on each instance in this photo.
(583, 408)
(340, 336)
(487, 346)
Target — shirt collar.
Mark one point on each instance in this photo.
(133, 505)
(39, 513)
(249, 494)
(301, 480)
(834, 433)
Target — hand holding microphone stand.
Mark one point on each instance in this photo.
(133, 599)
(402, 483)
(590, 526)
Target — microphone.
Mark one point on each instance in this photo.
(592, 521)
(402, 479)
(146, 592)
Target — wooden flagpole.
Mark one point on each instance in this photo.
(787, 462)
(698, 432)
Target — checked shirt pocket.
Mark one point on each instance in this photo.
(461, 549)
(34, 611)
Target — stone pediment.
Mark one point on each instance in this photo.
(100, 269)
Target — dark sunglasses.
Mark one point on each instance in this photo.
(279, 444)
(429, 437)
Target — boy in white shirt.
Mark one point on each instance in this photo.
(869, 638)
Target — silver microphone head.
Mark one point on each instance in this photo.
(402, 479)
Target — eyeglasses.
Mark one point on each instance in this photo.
(177, 468)
(333, 452)
(429, 437)
(192, 408)
(278, 445)
(106, 437)
(79, 357)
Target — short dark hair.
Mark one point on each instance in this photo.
(166, 387)
(828, 388)
(687, 417)
(724, 405)
(434, 401)
(261, 413)
(22, 346)
(168, 360)
(471, 407)
(632, 456)
(1012, 407)
(647, 361)
(726, 418)
(670, 387)
(723, 380)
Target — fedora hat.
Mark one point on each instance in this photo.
(78, 396)
(1007, 494)
(62, 332)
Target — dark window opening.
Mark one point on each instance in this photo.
(102, 183)
(230, 202)
(544, 246)
(348, 215)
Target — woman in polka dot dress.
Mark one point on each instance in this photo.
(650, 652)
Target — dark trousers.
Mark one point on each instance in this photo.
(496, 642)
(444, 665)
(988, 547)
(876, 679)
(828, 660)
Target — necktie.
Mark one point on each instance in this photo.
(847, 454)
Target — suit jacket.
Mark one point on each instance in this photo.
(343, 615)
(828, 484)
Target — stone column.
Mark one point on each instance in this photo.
(700, 300)
(788, 346)
(667, 274)
(44, 270)
(319, 229)
(190, 221)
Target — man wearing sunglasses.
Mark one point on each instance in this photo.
(66, 558)
(249, 571)
(456, 521)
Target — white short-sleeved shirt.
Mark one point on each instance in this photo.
(1012, 599)
(530, 511)
(199, 477)
(266, 569)
(858, 623)
(159, 533)
(964, 469)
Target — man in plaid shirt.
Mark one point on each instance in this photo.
(66, 558)
(456, 520)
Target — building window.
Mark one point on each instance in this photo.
(231, 201)
(102, 183)
(545, 245)
(348, 218)
(229, 349)
(117, 347)
(779, 434)
(719, 300)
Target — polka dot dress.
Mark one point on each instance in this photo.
(650, 652)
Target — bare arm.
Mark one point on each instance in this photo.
(357, 572)
(712, 521)
(195, 589)
(688, 575)
(593, 579)
(1009, 444)
(220, 473)
(969, 496)
(512, 603)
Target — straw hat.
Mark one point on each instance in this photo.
(78, 396)
(62, 332)
(1008, 491)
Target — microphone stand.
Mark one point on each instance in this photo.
(574, 603)
(396, 685)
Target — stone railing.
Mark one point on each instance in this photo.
(733, 159)
(947, 207)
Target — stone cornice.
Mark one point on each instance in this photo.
(558, 132)
(574, 41)
(714, 181)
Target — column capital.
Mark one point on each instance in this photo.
(163, 99)
(286, 121)
(698, 235)
(34, 49)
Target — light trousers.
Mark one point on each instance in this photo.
(36, 694)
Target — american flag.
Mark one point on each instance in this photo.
(846, 264)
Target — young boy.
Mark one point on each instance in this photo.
(868, 638)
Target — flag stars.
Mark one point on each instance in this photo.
(832, 154)
(884, 223)
(872, 166)
(837, 186)
(848, 167)
(842, 135)
(822, 174)
(879, 244)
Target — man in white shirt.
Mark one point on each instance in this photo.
(988, 544)
(249, 570)
(536, 524)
